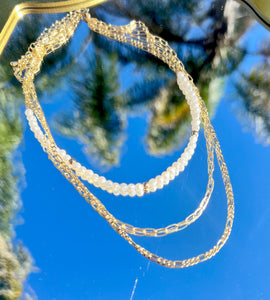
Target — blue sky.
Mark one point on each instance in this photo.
(80, 257)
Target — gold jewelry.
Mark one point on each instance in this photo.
(192, 96)
(135, 34)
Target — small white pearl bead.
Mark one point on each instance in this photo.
(96, 180)
(62, 153)
(188, 155)
(194, 138)
(171, 172)
(153, 185)
(160, 182)
(67, 158)
(29, 112)
(123, 189)
(35, 128)
(80, 170)
(89, 176)
(193, 95)
(139, 189)
(38, 135)
(181, 167)
(31, 118)
(195, 124)
(166, 178)
(116, 189)
(83, 173)
(102, 181)
(76, 165)
(176, 167)
(109, 186)
(189, 89)
(185, 162)
(191, 152)
(131, 190)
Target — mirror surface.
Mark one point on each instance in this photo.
(119, 112)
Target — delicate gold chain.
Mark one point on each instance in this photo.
(66, 28)
(151, 232)
(135, 34)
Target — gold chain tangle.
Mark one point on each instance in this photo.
(137, 35)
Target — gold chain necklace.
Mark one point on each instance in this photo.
(137, 35)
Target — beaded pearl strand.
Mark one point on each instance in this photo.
(153, 184)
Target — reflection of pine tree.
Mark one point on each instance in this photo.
(253, 90)
(206, 38)
(12, 272)
(96, 119)
(10, 134)
(14, 267)
(15, 260)
(203, 36)
(169, 113)
(207, 55)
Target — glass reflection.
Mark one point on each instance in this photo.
(107, 82)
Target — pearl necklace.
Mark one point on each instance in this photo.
(136, 34)
(153, 184)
